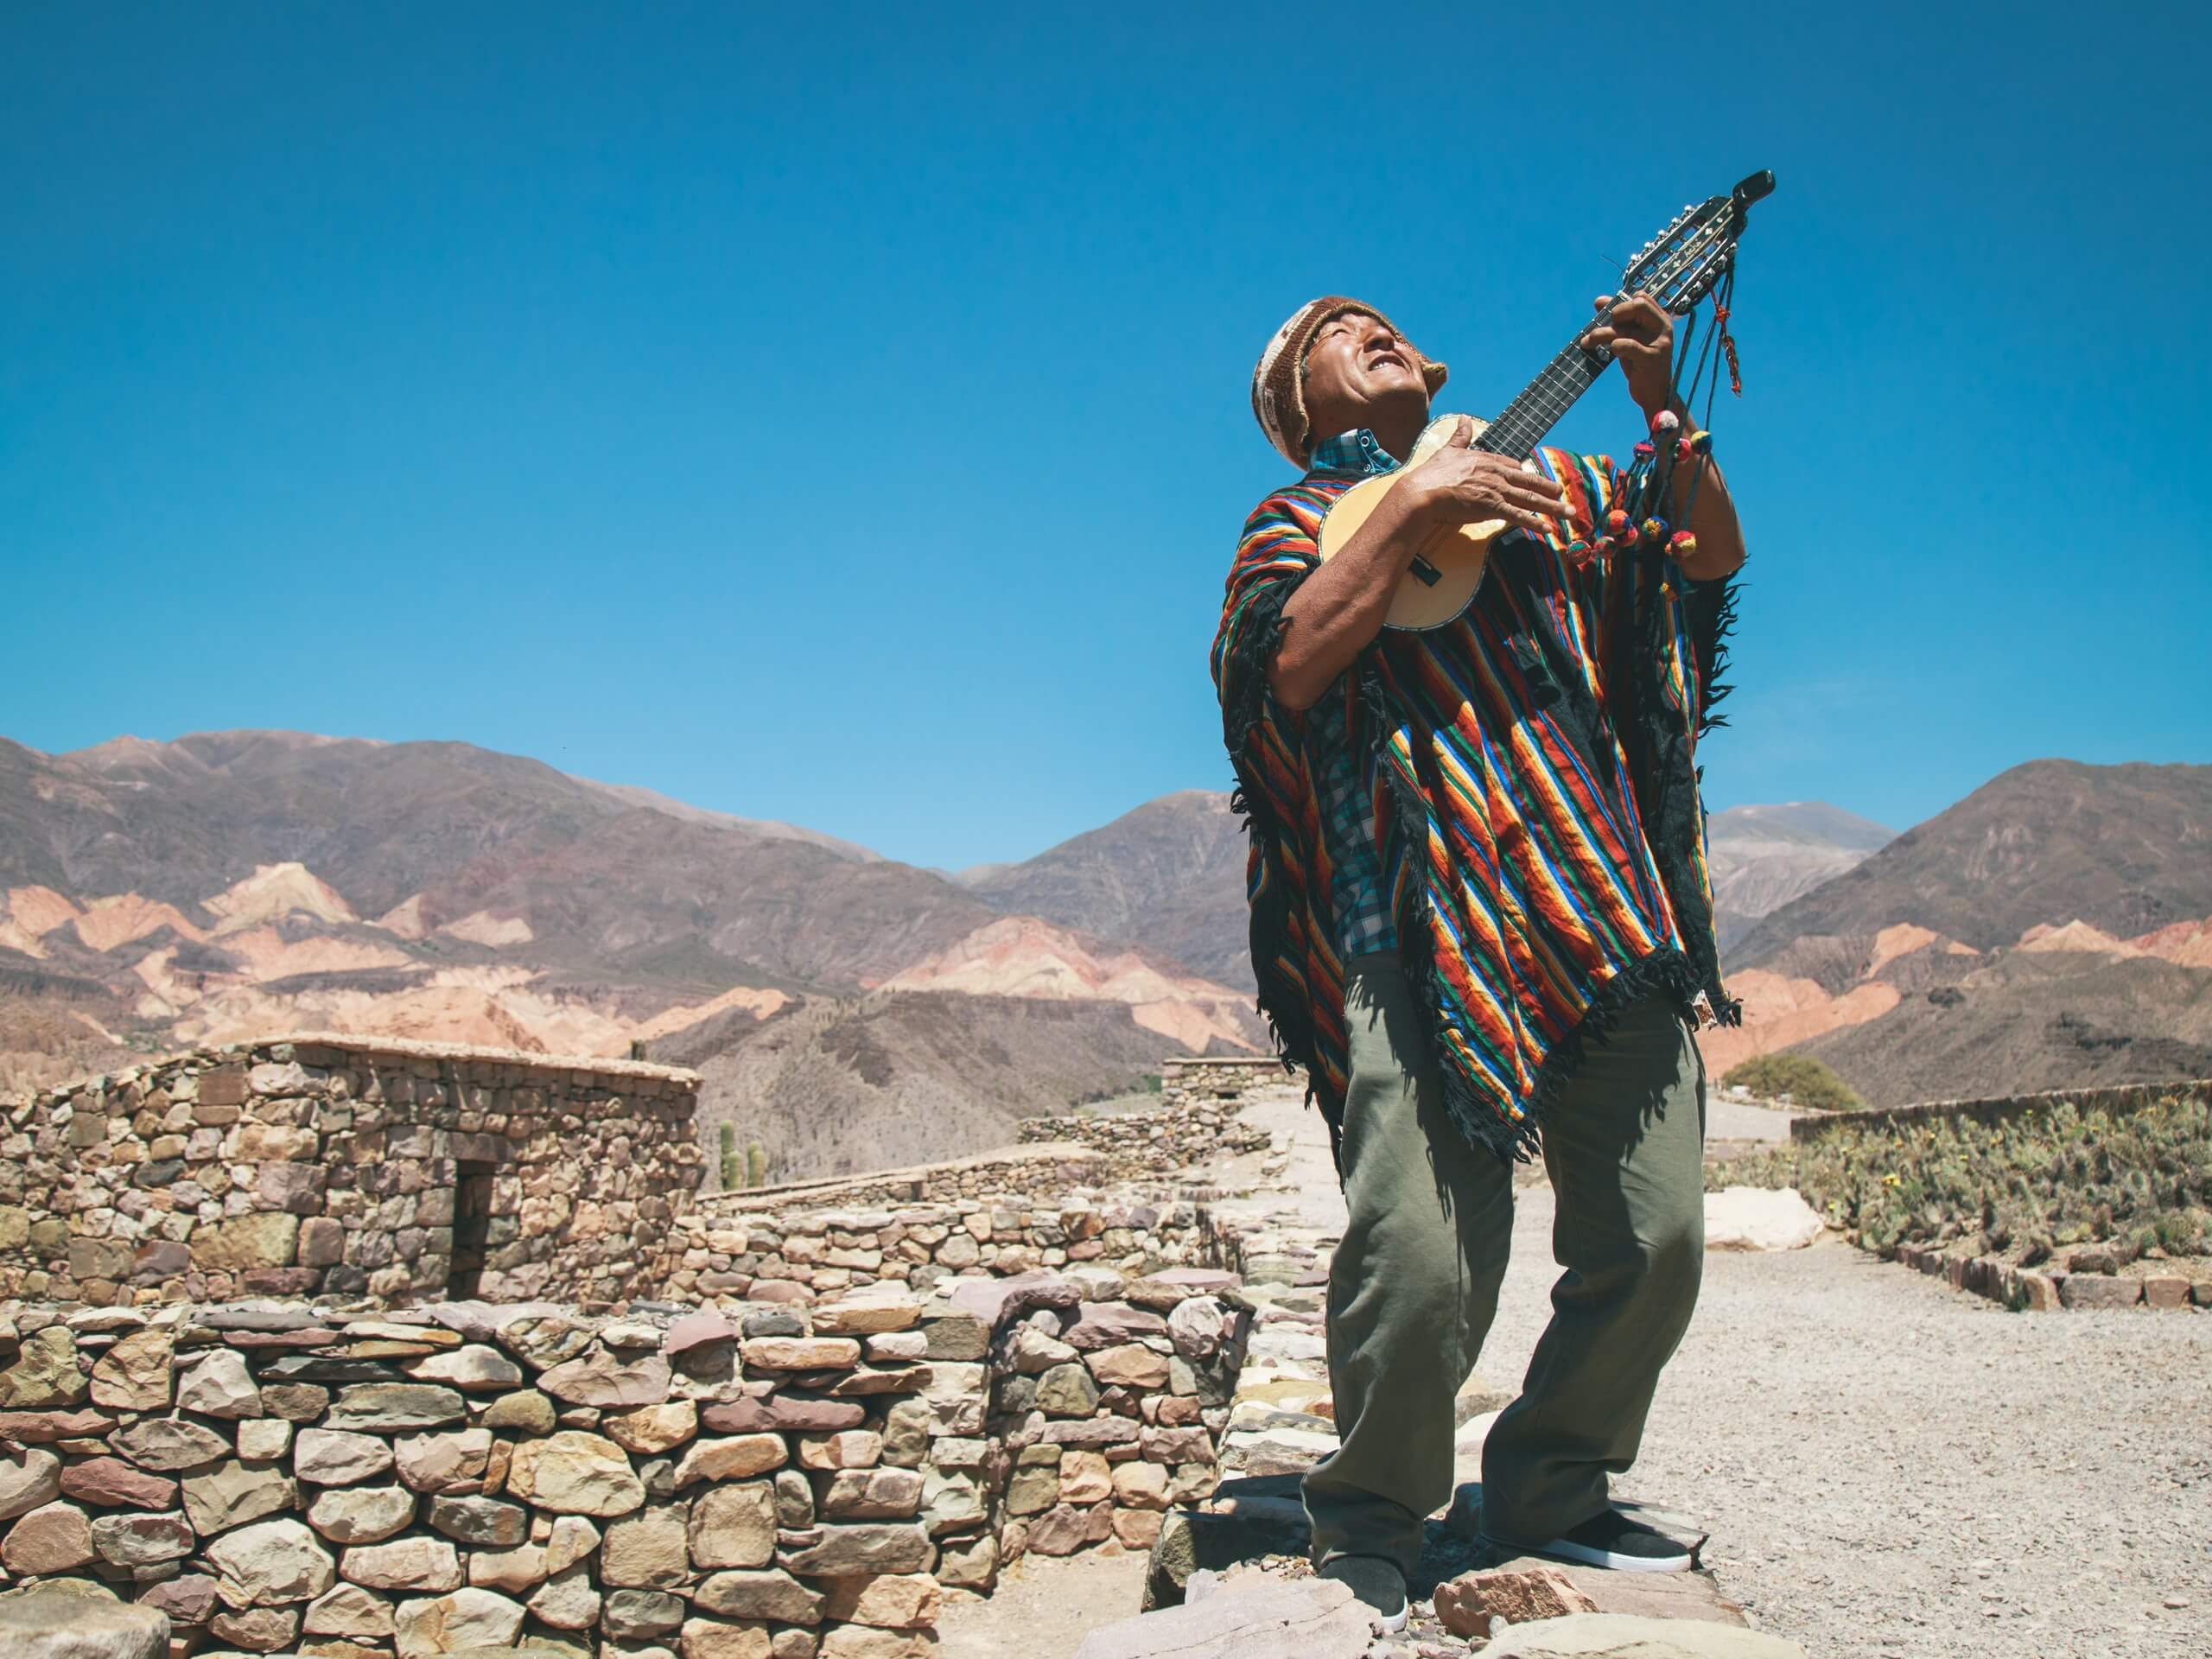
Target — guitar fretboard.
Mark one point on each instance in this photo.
(1520, 427)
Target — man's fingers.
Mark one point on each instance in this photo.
(1462, 433)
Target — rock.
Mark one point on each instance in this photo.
(715, 1638)
(1755, 1218)
(859, 1642)
(1140, 1485)
(348, 1610)
(30, 1477)
(258, 1630)
(649, 1551)
(526, 1413)
(801, 1354)
(188, 1599)
(113, 1483)
(1314, 1619)
(135, 1374)
(142, 1540)
(43, 1428)
(1130, 1365)
(169, 1444)
(1620, 1635)
(1030, 1350)
(326, 1456)
(698, 1330)
(294, 1402)
(264, 1240)
(1192, 1541)
(651, 1430)
(1201, 1327)
(2096, 1290)
(734, 1526)
(216, 1384)
(480, 1521)
(515, 1571)
(271, 1563)
(1108, 1325)
(1468, 1603)
(848, 1449)
(542, 1340)
(571, 1539)
(958, 1336)
(52, 1538)
(1067, 1391)
(887, 1601)
(782, 1414)
(635, 1615)
(881, 1494)
(53, 1624)
(475, 1367)
(994, 1301)
(444, 1462)
(411, 1564)
(738, 1457)
(567, 1601)
(575, 1473)
(361, 1514)
(264, 1440)
(395, 1407)
(44, 1373)
(232, 1494)
(769, 1594)
(597, 1378)
(866, 1549)
(455, 1624)
(873, 1313)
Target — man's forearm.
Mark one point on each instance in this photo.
(1338, 609)
(1711, 516)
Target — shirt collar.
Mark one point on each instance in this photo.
(1356, 452)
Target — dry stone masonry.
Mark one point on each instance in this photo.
(355, 1166)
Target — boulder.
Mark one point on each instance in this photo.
(216, 1384)
(1468, 1603)
(1314, 1619)
(862, 1549)
(44, 1373)
(169, 1444)
(136, 1375)
(485, 1522)
(1758, 1218)
(271, 1563)
(650, 1430)
(137, 1541)
(648, 1551)
(325, 1457)
(475, 1367)
(232, 1494)
(30, 1477)
(361, 1514)
(1622, 1635)
(891, 1601)
(527, 1411)
(455, 1624)
(567, 1601)
(734, 1526)
(395, 1407)
(575, 1473)
(771, 1593)
(408, 1564)
(456, 1462)
(52, 1538)
(597, 1378)
(347, 1610)
(738, 1457)
(52, 1623)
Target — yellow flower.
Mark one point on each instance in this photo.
(1890, 1179)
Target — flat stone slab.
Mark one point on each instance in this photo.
(1312, 1618)
(48, 1623)
(1612, 1636)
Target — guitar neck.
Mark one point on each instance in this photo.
(1520, 427)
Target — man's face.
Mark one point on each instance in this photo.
(1357, 363)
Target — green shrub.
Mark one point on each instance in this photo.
(2049, 1179)
(1807, 1081)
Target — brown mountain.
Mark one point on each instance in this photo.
(1168, 876)
(2125, 849)
(1763, 856)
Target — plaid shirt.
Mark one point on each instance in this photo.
(1356, 889)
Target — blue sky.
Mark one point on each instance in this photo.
(839, 414)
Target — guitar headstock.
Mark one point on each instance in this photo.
(1680, 266)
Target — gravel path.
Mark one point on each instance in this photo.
(1891, 1468)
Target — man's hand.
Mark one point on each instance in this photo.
(1642, 337)
(1459, 485)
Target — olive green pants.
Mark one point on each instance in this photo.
(1413, 1285)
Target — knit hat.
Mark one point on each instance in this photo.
(1279, 380)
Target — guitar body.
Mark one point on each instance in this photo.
(1445, 576)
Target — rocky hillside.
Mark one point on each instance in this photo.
(1763, 856)
(2054, 929)
(1168, 875)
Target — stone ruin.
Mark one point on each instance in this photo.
(349, 1348)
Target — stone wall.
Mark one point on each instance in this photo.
(782, 1483)
(1190, 1077)
(1134, 1145)
(360, 1167)
(1047, 1168)
(2122, 1098)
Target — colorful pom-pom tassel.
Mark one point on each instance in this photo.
(1655, 532)
(1665, 420)
(1681, 545)
(1617, 521)
(1681, 450)
(1701, 442)
(1644, 451)
(1580, 552)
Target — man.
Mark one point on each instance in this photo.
(1481, 921)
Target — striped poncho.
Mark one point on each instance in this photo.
(1536, 792)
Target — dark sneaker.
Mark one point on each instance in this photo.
(1375, 1581)
(1610, 1539)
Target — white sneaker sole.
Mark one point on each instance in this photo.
(1566, 1549)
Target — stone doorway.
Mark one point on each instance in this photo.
(472, 1222)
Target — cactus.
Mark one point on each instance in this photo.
(756, 1164)
(733, 1173)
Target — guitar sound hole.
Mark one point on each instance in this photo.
(1428, 574)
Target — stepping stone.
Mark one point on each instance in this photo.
(1313, 1618)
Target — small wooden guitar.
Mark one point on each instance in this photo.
(1676, 269)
